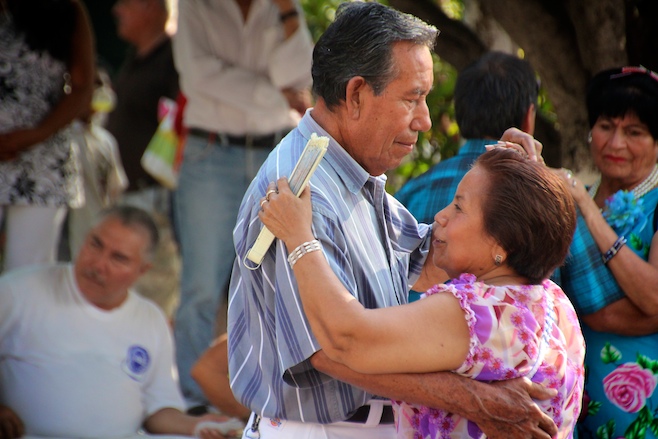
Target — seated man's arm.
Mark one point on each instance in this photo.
(172, 421)
(622, 317)
(211, 373)
(502, 410)
(11, 425)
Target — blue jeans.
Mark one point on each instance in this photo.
(212, 182)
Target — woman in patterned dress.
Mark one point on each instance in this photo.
(46, 81)
(499, 317)
(620, 312)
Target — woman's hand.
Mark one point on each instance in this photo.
(289, 218)
(576, 187)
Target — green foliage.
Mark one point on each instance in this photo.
(452, 8)
(606, 431)
(647, 363)
(610, 354)
(319, 14)
(593, 407)
(654, 426)
(638, 428)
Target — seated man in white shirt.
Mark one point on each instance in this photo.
(81, 355)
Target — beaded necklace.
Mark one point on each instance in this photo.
(639, 191)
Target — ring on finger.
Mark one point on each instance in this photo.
(269, 192)
(574, 182)
(263, 201)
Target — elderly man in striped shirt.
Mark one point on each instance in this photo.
(372, 71)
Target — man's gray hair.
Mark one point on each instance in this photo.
(360, 43)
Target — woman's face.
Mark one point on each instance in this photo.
(460, 242)
(623, 149)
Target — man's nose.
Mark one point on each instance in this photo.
(422, 121)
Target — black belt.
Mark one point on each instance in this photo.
(260, 141)
(360, 416)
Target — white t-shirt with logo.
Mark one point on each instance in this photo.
(70, 369)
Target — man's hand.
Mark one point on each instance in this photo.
(507, 411)
(503, 410)
(173, 421)
(11, 425)
(213, 426)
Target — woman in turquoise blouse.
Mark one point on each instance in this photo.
(620, 324)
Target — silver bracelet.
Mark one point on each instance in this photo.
(302, 249)
(619, 243)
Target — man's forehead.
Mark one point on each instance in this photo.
(113, 230)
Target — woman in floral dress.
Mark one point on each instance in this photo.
(619, 309)
(46, 81)
(499, 318)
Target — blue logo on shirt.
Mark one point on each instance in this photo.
(137, 362)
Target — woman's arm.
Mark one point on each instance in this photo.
(622, 317)
(72, 105)
(425, 336)
(636, 277)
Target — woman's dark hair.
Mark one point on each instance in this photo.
(529, 211)
(359, 43)
(620, 91)
(48, 25)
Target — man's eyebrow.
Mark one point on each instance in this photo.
(421, 91)
(121, 255)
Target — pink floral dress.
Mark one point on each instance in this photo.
(516, 331)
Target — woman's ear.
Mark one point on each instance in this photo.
(498, 254)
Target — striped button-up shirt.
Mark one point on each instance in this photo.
(372, 243)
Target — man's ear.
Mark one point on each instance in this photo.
(354, 96)
(528, 124)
